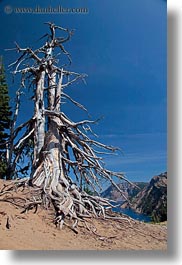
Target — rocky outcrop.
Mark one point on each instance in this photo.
(152, 200)
(128, 190)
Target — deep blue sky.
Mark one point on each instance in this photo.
(121, 45)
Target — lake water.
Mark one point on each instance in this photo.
(132, 214)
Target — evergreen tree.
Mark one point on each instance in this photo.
(5, 118)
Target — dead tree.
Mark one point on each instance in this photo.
(61, 147)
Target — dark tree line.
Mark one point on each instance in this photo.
(5, 121)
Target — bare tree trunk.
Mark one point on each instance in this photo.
(52, 161)
(51, 173)
(39, 133)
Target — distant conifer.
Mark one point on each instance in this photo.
(5, 119)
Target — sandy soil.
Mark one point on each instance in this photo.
(37, 231)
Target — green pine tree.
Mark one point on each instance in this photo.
(5, 119)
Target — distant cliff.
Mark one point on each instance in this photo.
(128, 190)
(151, 199)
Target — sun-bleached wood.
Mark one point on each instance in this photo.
(61, 147)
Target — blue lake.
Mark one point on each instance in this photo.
(132, 214)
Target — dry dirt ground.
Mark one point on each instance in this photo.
(36, 231)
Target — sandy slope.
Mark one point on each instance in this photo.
(37, 232)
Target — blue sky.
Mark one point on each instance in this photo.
(121, 45)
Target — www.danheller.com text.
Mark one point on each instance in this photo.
(46, 10)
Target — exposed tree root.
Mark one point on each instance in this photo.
(71, 206)
(66, 209)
